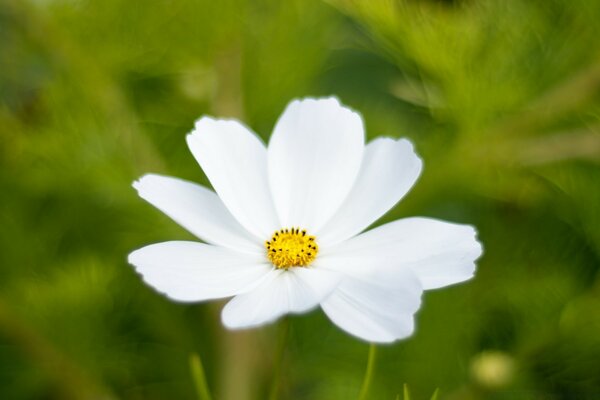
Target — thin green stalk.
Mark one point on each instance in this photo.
(199, 377)
(364, 390)
(284, 327)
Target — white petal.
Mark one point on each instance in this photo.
(235, 161)
(314, 157)
(198, 210)
(388, 171)
(296, 290)
(190, 271)
(377, 307)
(440, 253)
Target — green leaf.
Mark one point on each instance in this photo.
(406, 392)
(199, 377)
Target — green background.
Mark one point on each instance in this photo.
(501, 99)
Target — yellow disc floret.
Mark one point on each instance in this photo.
(291, 248)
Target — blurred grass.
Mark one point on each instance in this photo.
(501, 98)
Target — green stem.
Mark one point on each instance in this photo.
(364, 390)
(199, 377)
(284, 327)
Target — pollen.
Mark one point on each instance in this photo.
(291, 247)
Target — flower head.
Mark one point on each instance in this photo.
(282, 230)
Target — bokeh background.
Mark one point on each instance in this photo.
(502, 101)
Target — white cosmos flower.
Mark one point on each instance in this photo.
(283, 234)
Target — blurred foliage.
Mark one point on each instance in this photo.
(501, 98)
(408, 397)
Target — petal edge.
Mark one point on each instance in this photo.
(315, 153)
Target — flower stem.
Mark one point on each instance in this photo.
(364, 390)
(199, 378)
(283, 332)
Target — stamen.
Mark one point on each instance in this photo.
(295, 248)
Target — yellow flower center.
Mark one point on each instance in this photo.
(291, 248)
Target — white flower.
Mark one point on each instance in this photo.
(283, 234)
